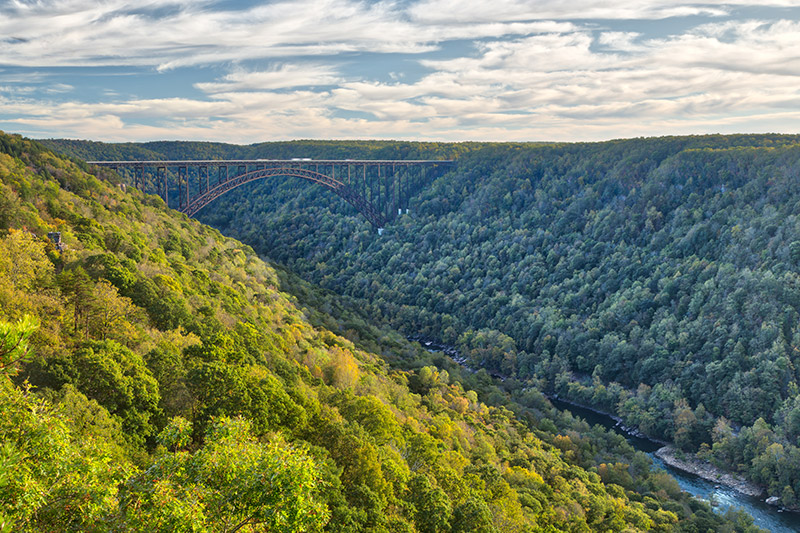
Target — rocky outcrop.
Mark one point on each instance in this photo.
(706, 470)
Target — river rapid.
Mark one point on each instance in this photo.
(722, 497)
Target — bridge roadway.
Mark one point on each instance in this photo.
(377, 188)
(296, 160)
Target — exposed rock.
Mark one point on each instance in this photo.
(773, 500)
(706, 470)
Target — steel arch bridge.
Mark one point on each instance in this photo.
(379, 189)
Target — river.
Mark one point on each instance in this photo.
(765, 516)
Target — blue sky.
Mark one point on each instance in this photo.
(246, 71)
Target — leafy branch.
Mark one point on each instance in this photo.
(14, 348)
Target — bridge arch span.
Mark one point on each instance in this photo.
(375, 187)
(341, 189)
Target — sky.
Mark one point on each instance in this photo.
(494, 70)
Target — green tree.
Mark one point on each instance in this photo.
(24, 261)
(233, 482)
(50, 480)
(251, 391)
(14, 348)
(78, 289)
(111, 314)
(431, 504)
(473, 516)
(118, 379)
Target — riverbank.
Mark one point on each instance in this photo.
(676, 459)
(619, 424)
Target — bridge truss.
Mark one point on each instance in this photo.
(378, 189)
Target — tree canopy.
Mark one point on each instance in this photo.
(178, 381)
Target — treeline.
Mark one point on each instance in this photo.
(655, 277)
(92, 150)
(154, 375)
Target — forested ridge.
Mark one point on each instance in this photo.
(156, 375)
(656, 278)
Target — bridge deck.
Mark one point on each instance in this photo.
(295, 161)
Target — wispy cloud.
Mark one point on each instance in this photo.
(509, 69)
(75, 32)
(456, 11)
(278, 77)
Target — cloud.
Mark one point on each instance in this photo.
(57, 88)
(753, 66)
(459, 12)
(279, 77)
(15, 89)
(752, 46)
(80, 32)
(510, 69)
(173, 34)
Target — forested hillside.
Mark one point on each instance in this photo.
(157, 376)
(657, 278)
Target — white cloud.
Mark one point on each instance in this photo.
(115, 32)
(620, 40)
(536, 69)
(16, 89)
(279, 77)
(56, 88)
(459, 11)
(62, 32)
